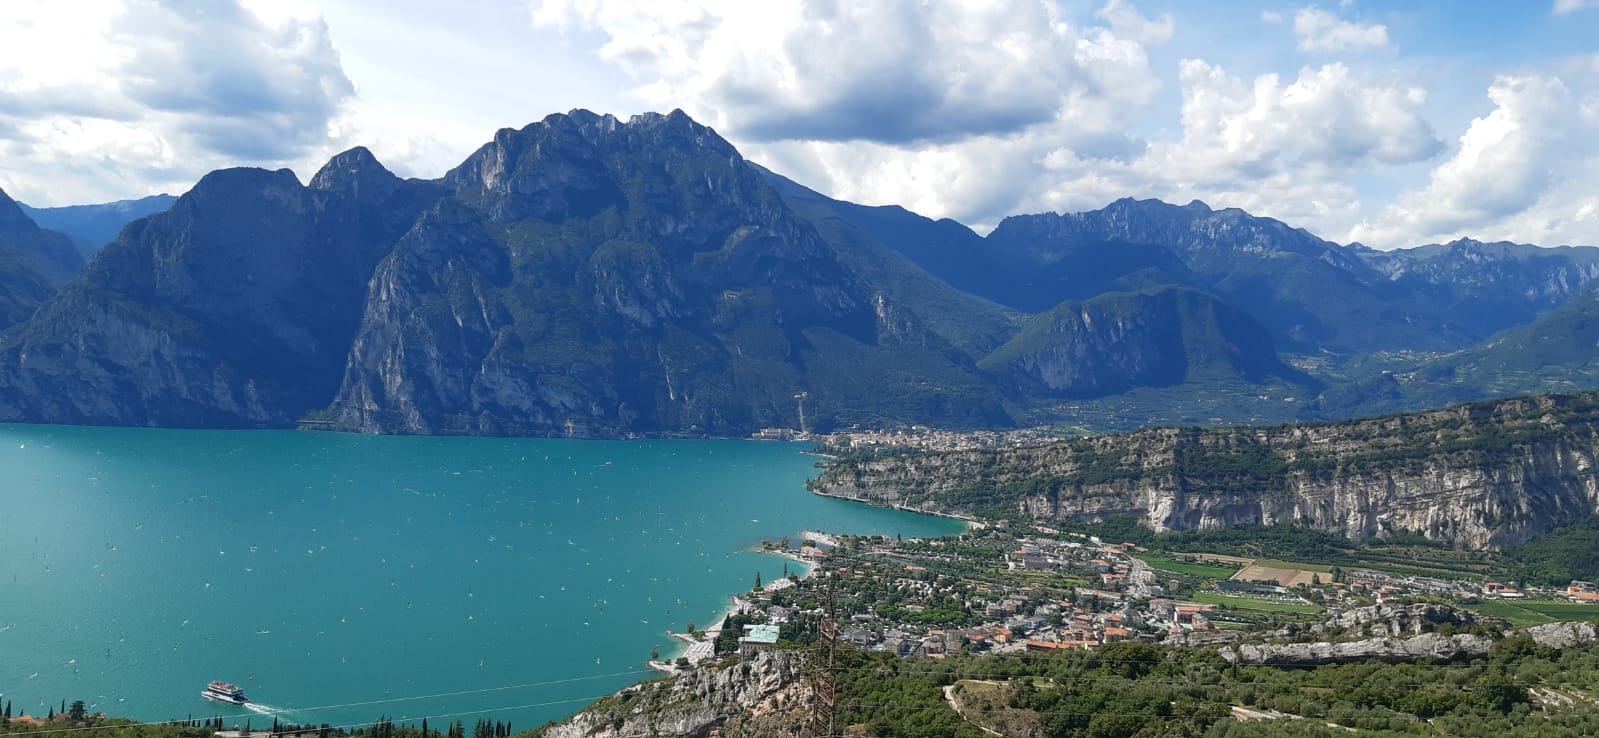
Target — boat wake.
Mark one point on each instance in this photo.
(269, 710)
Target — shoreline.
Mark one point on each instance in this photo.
(686, 643)
(971, 522)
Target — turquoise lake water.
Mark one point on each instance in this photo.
(337, 577)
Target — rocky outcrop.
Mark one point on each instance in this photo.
(1425, 647)
(1395, 648)
(1476, 476)
(1396, 620)
(692, 703)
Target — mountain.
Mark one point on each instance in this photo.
(34, 263)
(93, 226)
(1117, 341)
(590, 276)
(583, 276)
(1312, 294)
(1488, 287)
(1479, 476)
(235, 308)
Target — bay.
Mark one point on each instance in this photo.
(338, 577)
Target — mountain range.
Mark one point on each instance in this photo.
(590, 276)
(93, 226)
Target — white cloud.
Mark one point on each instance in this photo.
(1563, 7)
(1288, 149)
(885, 72)
(111, 98)
(1322, 32)
(1127, 23)
(1327, 118)
(1524, 171)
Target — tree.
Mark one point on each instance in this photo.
(78, 711)
(690, 627)
(757, 580)
(655, 652)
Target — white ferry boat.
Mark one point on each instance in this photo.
(224, 692)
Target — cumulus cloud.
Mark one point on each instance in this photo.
(1322, 32)
(1525, 170)
(1563, 7)
(1326, 118)
(877, 71)
(108, 98)
(1288, 149)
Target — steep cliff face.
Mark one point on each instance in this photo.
(235, 308)
(1477, 476)
(596, 277)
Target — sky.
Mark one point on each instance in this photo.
(1390, 124)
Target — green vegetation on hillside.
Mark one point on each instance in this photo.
(1122, 690)
(1568, 553)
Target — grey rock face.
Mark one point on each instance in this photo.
(1481, 477)
(1425, 647)
(690, 704)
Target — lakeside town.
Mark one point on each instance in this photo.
(1010, 588)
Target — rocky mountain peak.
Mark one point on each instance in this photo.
(355, 171)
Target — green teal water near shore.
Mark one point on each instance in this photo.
(337, 577)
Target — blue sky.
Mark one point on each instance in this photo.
(1393, 124)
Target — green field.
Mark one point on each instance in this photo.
(1562, 610)
(1180, 567)
(1536, 612)
(1250, 603)
(1518, 616)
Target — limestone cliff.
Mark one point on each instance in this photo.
(734, 700)
(1478, 476)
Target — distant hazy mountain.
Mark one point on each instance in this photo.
(93, 226)
(34, 263)
(1117, 341)
(590, 276)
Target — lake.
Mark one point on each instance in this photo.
(342, 577)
